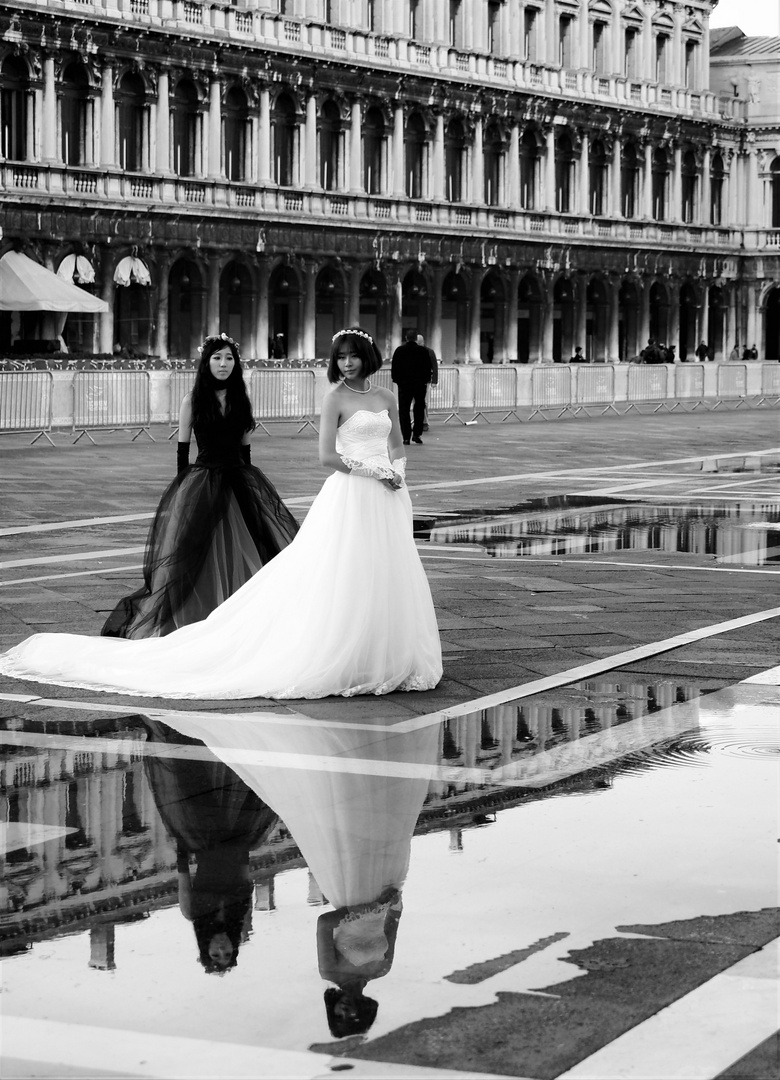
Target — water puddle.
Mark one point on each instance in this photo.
(143, 856)
(741, 533)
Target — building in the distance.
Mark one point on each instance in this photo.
(513, 177)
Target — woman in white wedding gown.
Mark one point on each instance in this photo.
(344, 609)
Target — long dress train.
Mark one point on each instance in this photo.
(344, 609)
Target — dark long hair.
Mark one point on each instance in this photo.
(205, 406)
(360, 1018)
(231, 924)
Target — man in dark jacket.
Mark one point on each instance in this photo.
(411, 370)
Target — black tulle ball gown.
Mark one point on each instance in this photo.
(216, 525)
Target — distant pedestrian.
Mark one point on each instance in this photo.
(702, 352)
(411, 369)
(578, 358)
(434, 372)
(753, 353)
(734, 354)
(651, 353)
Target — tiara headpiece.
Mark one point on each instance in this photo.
(354, 333)
(217, 337)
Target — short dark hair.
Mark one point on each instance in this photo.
(363, 344)
(412, 335)
(362, 1015)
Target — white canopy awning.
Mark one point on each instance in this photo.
(131, 268)
(25, 285)
(76, 268)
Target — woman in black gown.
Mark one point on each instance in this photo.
(219, 521)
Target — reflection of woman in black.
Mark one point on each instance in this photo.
(351, 801)
(212, 815)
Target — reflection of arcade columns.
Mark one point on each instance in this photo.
(263, 330)
(265, 896)
(101, 947)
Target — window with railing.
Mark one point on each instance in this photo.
(689, 186)
(691, 64)
(717, 176)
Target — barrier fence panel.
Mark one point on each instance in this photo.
(110, 400)
(594, 388)
(443, 395)
(382, 378)
(282, 395)
(495, 387)
(688, 386)
(770, 383)
(181, 382)
(26, 402)
(550, 389)
(732, 384)
(647, 384)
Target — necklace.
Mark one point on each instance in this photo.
(354, 391)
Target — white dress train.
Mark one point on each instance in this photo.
(345, 609)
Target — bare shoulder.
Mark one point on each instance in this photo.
(386, 396)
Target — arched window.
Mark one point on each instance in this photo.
(414, 139)
(283, 136)
(529, 167)
(689, 186)
(330, 146)
(493, 156)
(185, 125)
(373, 148)
(236, 134)
(130, 110)
(14, 105)
(597, 167)
(73, 115)
(564, 167)
(660, 183)
(454, 157)
(775, 173)
(629, 180)
(717, 177)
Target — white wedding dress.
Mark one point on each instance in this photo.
(344, 609)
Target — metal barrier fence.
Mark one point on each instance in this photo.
(647, 384)
(26, 402)
(495, 387)
(770, 383)
(594, 388)
(688, 386)
(181, 382)
(551, 387)
(732, 384)
(110, 400)
(283, 395)
(382, 378)
(443, 395)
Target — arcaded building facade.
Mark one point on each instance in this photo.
(512, 177)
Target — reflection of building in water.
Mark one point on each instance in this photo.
(85, 846)
(738, 532)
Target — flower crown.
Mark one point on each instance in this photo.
(217, 337)
(354, 333)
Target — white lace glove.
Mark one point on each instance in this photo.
(378, 468)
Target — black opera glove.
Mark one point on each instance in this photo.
(182, 456)
(246, 454)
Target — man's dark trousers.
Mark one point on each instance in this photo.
(408, 392)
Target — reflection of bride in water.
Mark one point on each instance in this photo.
(350, 796)
(215, 819)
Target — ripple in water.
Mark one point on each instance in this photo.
(750, 742)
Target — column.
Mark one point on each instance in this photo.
(581, 316)
(212, 296)
(310, 144)
(254, 159)
(399, 187)
(753, 203)
(673, 337)
(33, 125)
(677, 78)
(644, 314)
(613, 334)
(584, 29)
(513, 200)
(215, 131)
(89, 132)
(438, 159)
(395, 297)
(551, 34)
(614, 181)
(478, 165)
(549, 173)
(547, 323)
(733, 189)
(309, 310)
(107, 148)
(676, 192)
(731, 332)
(648, 46)
(264, 139)
(510, 330)
(434, 326)
(752, 335)
(704, 316)
(263, 327)
(162, 149)
(145, 139)
(355, 147)
(161, 323)
(647, 182)
(473, 348)
(584, 176)
(107, 293)
(353, 301)
(705, 192)
(49, 148)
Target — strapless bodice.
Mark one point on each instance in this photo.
(363, 436)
